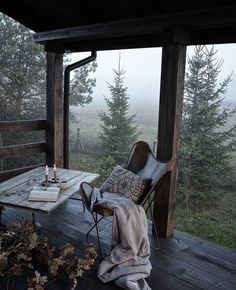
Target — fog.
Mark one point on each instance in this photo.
(143, 68)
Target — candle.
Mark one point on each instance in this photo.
(55, 171)
(46, 175)
(46, 170)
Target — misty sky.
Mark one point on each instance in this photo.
(143, 71)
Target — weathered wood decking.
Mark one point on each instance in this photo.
(183, 262)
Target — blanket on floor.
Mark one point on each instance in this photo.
(128, 263)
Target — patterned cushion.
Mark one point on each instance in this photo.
(126, 183)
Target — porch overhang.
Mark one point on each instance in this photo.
(191, 28)
(104, 25)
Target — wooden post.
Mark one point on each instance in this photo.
(54, 131)
(1, 159)
(170, 114)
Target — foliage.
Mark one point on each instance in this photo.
(206, 147)
(204, 207)
(93, 163)
(82, 85)
(22, 249)
(210, 219)
(106, 165)
(118, 134)
(22, 73)
(81, 88)
(23, 83)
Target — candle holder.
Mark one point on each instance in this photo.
(54, 180)
(46, 181)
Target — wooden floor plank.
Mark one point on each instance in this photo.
(183, 262)
(204, 245)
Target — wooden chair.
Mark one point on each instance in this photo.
(142, 162)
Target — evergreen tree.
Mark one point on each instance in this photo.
(23, 75)
(82, 85)
(118, 133)
(81, 88)
(23, 81)
(22, 72)
(206, 143)
(22, 84)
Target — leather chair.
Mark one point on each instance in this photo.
(142, 162)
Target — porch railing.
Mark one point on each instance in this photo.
(23, 149)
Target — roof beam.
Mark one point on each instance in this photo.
(208, 18)
(176, 35)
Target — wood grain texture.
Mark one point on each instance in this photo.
(54, 132)
(19, 126)
(13, 172)
(170, 115)
(184, 262)
(22, 149)
(143, 25)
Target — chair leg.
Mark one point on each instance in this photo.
(156, 234)
(83, 205)
(96, 221)
(99, 245)
(154, 226)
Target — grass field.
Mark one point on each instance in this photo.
(213, 220)
(145, 119)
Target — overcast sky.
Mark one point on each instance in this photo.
(143, 71)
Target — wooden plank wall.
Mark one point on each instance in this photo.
(23, 149)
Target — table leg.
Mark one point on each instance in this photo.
(1, 209)
(33, 218)
(1, 224)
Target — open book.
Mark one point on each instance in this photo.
(42, 193)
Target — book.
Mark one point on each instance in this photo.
(43, 193)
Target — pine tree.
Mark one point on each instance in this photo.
(23, 81)
(81, 89)
(206, 143)
(22, 72)
(118, 133)
(81, 86)
(23, 75)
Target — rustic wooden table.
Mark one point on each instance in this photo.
(14, 192)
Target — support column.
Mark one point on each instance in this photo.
(54, 132)
(170, 115)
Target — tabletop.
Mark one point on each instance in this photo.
(14, 192)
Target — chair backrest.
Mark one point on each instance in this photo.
(142, 162)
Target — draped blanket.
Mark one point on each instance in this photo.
(128, 263)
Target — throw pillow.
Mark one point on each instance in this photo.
(126, 183)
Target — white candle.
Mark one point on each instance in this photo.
(55, 171)
(46, 170)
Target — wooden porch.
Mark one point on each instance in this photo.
(105, 26)
(183, 261)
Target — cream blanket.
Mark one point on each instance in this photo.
(128, 263)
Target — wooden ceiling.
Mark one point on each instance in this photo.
(79, 25)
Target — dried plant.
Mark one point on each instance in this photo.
(22, 250)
